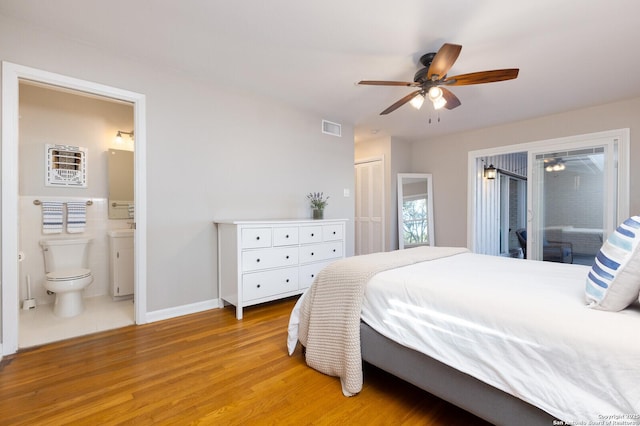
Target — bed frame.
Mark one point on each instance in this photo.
(445, 382)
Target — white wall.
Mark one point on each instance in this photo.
(446, 156)
(212, 153)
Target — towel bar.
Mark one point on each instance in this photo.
(38, 202)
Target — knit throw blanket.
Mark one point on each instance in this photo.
(330, 313)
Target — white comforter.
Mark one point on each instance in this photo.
(521, 326)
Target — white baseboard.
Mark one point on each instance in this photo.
(178, 311)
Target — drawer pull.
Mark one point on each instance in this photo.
(258, 237)
(334, 250)
(311, 253)
(258, 286)
(258, 260)
(313, 275)
(334, 232)
(312, 235)
(287, 280)
(287, 257)
(286, 236)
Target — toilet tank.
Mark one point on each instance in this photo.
(67, 253)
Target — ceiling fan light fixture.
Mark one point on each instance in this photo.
(439, 103)
(417, 101)
(435, 93)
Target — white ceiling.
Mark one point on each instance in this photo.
(310, 54)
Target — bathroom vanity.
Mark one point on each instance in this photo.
(121, 276)
(260, 261)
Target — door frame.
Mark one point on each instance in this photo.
(475, 171)
(11, 76)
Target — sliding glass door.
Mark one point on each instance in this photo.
(576, 190)
(573, 201)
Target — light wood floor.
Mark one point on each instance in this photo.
(206, 368)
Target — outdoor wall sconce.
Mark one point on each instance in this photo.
(490, 172)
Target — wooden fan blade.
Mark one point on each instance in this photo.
(452, 100)
(387, 83)
(401, 102)
(482, 77)
(444, 59)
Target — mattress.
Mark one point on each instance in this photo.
(521, 326)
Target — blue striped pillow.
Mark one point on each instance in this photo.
(613, 283)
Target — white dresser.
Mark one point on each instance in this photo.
(260, 261)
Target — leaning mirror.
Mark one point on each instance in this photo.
(120, 173)
(415, 210)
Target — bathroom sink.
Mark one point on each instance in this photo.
(120, 233)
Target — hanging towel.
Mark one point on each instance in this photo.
(132, 211)
(51, 217)
(76, 216)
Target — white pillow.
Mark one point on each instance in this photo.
(613, 283)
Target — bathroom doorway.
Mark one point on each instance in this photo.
(19, 209)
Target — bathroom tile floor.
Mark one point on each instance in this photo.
(39, 326)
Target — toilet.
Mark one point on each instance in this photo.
(67, 274)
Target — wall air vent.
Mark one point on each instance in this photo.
(330, 128)
(65, 166)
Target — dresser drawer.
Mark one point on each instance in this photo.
(309, 272)
(256, 237)
(285, 236)
(310, 234)
(259, 285)
(332, 232)
(318, 252)
(254, 260)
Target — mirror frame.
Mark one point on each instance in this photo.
(402, 177)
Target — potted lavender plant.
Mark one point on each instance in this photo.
(318, 203)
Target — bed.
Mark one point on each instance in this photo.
(509, 340)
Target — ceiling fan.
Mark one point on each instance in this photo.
(432, 79)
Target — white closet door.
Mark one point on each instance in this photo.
(369, 217)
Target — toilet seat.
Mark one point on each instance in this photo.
(68, 274)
